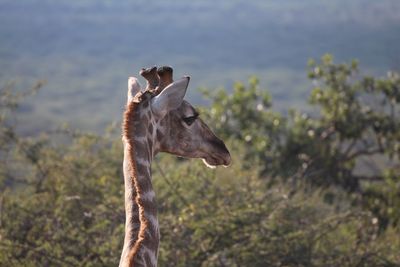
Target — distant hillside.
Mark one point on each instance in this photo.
(87, 49)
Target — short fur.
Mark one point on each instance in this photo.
(128, 130)
(195, 141)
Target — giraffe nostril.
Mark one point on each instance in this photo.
(227, 160)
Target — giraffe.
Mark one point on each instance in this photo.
(157, 119)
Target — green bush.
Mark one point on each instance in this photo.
(295, 195)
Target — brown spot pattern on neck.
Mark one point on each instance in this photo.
(128, 130)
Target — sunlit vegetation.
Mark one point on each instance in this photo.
(304, 189)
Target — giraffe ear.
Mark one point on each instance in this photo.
(133, 88)
(171, 97)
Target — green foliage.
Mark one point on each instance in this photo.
(297, 193)
(351, 141)
(67, 210)
(245, 116)
(232, 217)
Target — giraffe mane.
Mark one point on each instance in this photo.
(128, 130)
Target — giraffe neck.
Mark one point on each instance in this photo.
(141, 225)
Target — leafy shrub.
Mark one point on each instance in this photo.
(294, 195)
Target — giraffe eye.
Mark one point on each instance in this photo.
(189, 120)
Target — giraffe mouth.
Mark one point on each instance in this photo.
(209, 164)
(217, 154)
(212, 161)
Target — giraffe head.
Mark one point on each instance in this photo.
(176, 126)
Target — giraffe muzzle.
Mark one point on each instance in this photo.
(218, 154)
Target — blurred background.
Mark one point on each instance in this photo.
(87, 49)
(304, 93)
